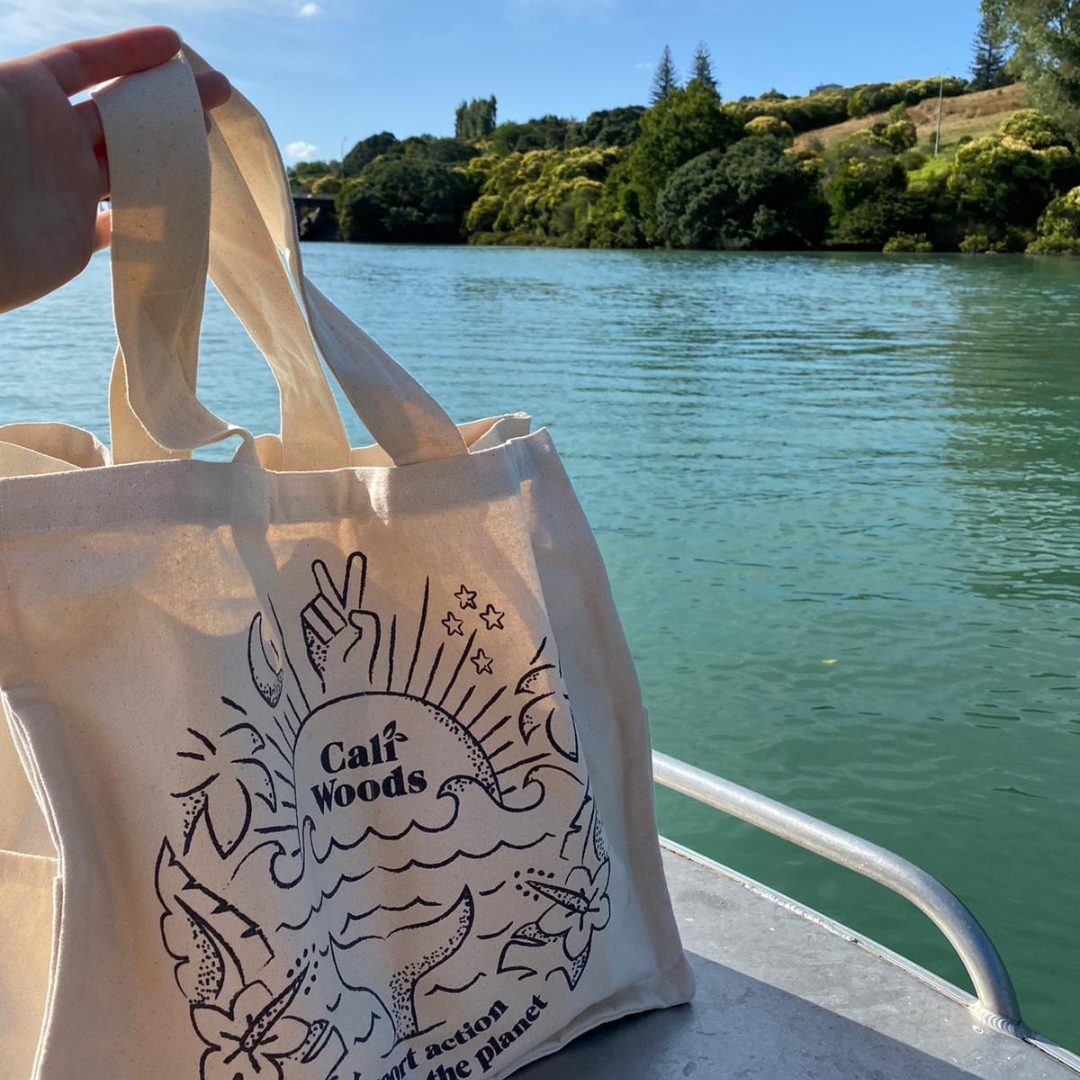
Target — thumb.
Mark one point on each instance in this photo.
(103, 229)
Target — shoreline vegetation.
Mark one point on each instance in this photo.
(859, 168)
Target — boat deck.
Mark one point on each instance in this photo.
(786, 994)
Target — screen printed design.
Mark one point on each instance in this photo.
(387, 860)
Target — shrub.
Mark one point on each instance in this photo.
(771, 126)
(908, 243)
(545, 195)
(887, 212)
(326, 185)
(1059, 227)
(901, 135)
(1054, 245)
(981, 244)
(859, 167)
(1018, 239)
(832, 104)
(1001, 180)
(1061, 219)
(1034, 129)
(482, 214)
(912, 160)
(407, 199)
(752, 195)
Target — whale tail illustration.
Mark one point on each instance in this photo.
(410, 952)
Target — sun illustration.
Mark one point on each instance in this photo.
(359, 846)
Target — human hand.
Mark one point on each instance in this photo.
(54, 168)
(335, 624)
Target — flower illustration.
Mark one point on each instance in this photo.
(249, 1040)
(224, 797)
(579, 908)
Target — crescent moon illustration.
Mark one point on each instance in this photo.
(268, 680)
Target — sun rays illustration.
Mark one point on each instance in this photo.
(423, 754)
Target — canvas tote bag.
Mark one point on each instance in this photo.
(323, 762)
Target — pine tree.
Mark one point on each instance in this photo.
(702, 68)
(666, 78)
(990, 49)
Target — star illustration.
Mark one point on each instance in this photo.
(492, 618)
(467, 597)
(452, 624)
(482, 662)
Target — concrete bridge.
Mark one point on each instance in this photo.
(316, 226)
(313, 202)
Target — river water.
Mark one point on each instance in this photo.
(838, 500)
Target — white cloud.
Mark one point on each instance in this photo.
(300, 150)
(309, 9)
(644, 65)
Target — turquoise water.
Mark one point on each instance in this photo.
(838, 499)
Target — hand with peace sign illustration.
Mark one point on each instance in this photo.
(342, 639)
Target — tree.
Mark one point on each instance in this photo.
(544, 133)
(1059, 227)
(475, 119)
(688, 122)
(612, 127)
(866, 188)
(1047, 54)
(701, 71)
(1003, 182)
(990, 48)
(408, 200)
(666, 78)
(752, 195)
(544, 196)
(449, 151)
(366, 151)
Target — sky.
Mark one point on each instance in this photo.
(326, 73)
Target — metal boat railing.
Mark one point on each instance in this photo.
(997, 1002)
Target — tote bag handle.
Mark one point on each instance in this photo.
(243, 260)
(153, 126)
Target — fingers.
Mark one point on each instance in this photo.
(355, 576)
(78, 65)
(326, 583)
(214, 90)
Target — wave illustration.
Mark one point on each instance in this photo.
(438, 988)
(453, 788)
(465, 855)
(351, 918)
(348, 879)
(345, 879)
(462, 814)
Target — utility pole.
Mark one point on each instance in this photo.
(937, 136)
(341, 156)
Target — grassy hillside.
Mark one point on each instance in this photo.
(971, 114)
